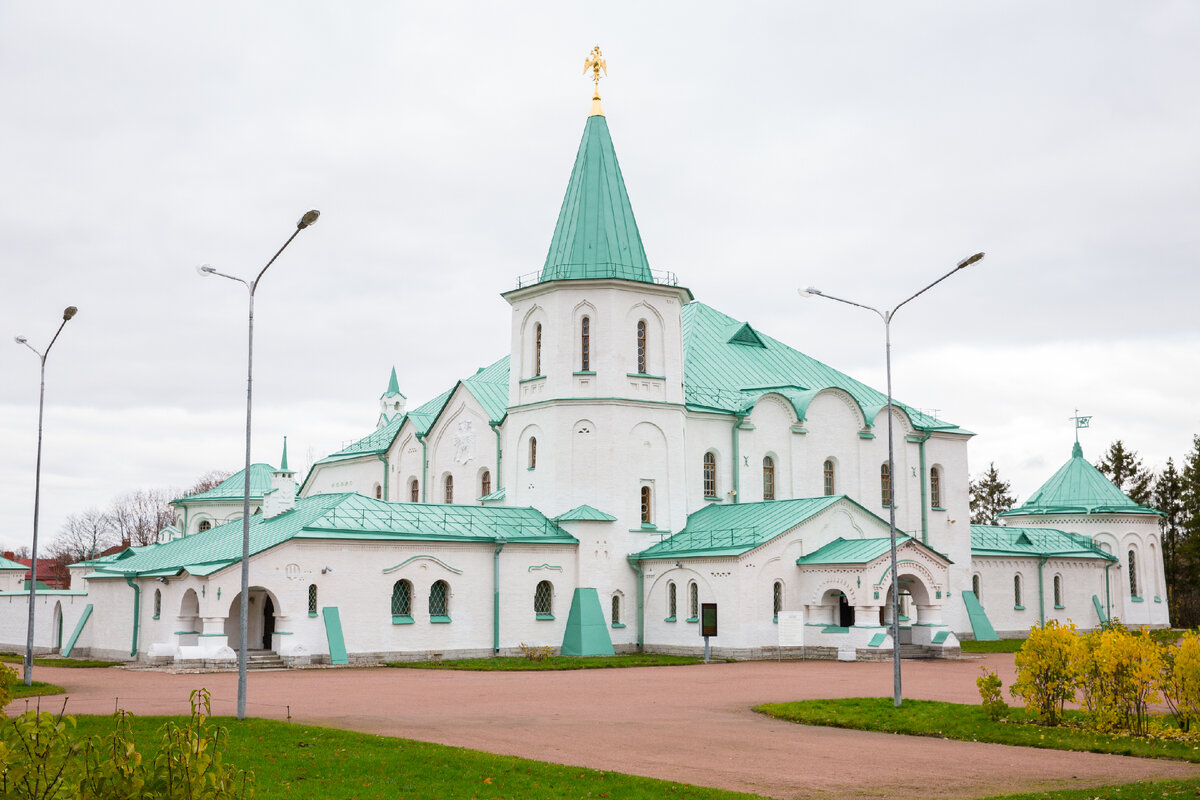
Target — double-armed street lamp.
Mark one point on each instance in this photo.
(887, 316)
(69, 312)
(308, 219)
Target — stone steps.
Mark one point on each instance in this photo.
(264, 659)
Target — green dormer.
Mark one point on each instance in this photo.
(596, 235)
(1078, 488)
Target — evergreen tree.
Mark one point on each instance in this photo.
(1186, 611)
(989, 496)
(1168, 498)
(1124, 468)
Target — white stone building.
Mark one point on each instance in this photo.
(635, 455)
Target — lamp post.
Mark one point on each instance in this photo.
(887, 316)
(308, 219)
(69, 312)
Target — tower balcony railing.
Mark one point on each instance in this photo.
(583, 272)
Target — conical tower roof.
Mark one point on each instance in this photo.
(393, 388)
(1078, 488)
(596, 235)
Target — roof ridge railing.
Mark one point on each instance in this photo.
(695, 393)
(661, 277)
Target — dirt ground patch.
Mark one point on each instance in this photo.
(691, 724)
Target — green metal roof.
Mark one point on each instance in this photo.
(727, 366)
(994, 540)
(393, 389)
(851, 551)
(730, 530)
(232, 487)
(489, 386)
(494, 497)
(338, 516)
(584, 513)
(10, 564)
(1078, 488)
(596, 235)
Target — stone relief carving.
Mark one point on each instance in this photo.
(464, 442)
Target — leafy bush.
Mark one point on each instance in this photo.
(1180, 680)
(8, 677)
(990, 690)
(534, 652)
(1046, 670)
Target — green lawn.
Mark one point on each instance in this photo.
(36, 689)
(1153, 790)
(998, 646)
(968, 723)
(516, 663)
(77, 663)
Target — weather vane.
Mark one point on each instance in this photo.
(595, 62)
(1080, 422)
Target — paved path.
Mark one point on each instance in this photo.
(689, 724)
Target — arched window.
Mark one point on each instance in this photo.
(616, 609)
(645, 505)
(402, 599)
(205, 525)
(935, 487)
(312, 599)
(975, 585)
(776, 600)
(768, 478)
(710, 475)
(885, 485)
(485, 483)
(830, 485)
(1133, 577)
(585, 344)
(532, 452)
(693, 601)
(543, 600)
(449, 489)
(537, 349)
(439, 599)
(157, 603)
(378, 492)
(641, 346)
(1017, 591)
(671, 601)
(1058, 603)
(414, 491)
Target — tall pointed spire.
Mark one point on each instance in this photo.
(596, 235)
(393, 385)
(283, 467)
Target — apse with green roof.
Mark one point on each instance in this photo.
(1078, 488)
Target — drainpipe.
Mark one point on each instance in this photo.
(1042, 591)
(137, 612)
(383, 457)
(496, 428)
(496, 594)
(924, 491)
(424, 467)
(637, 567)
(1107, 591)
(737, 472)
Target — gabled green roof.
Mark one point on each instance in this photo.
(338, 516)
(584, 513)
(994, 540)
(489, 386)
(730, 530)
(596, 235)
(851, 551)
(232, 487)
(6, 563)
(721, 373)
(1078, 488)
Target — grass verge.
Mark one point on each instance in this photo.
(69, 663)
(520, 663)
(1150, 790)
(300, 761)
(998, 646)
(36, 689)
(970, 724)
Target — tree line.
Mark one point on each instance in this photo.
(1173, 491)
(131, 519)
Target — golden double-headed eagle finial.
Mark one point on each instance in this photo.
(595, 62)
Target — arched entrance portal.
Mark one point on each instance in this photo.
(260, 618)
(915, 605)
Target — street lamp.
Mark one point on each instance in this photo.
(886, 316)
(69, 312)
(205, 270)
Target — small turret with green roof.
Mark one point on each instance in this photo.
(1078, 488)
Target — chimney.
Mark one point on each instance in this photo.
(282, 495)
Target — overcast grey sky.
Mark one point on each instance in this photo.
(862, 148)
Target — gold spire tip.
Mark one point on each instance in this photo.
(595, 62)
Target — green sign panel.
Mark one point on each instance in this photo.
(708, 619)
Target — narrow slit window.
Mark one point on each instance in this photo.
(768, 478)
(830, 484)
(671, 600)
(935, 487)
(157, 603)
(641, 347)
(532, 452)
(693, 601)
(1017, 590)
(1058, 597)
(1133, 576)
(585, 344)
(645, 505)
(975, 586)
(777, 599)
(312, 599)
(485, 483)
(710, 475)
(449, 489)
(885, 485)
(414, 494)
(616, 609)
(537, 349)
